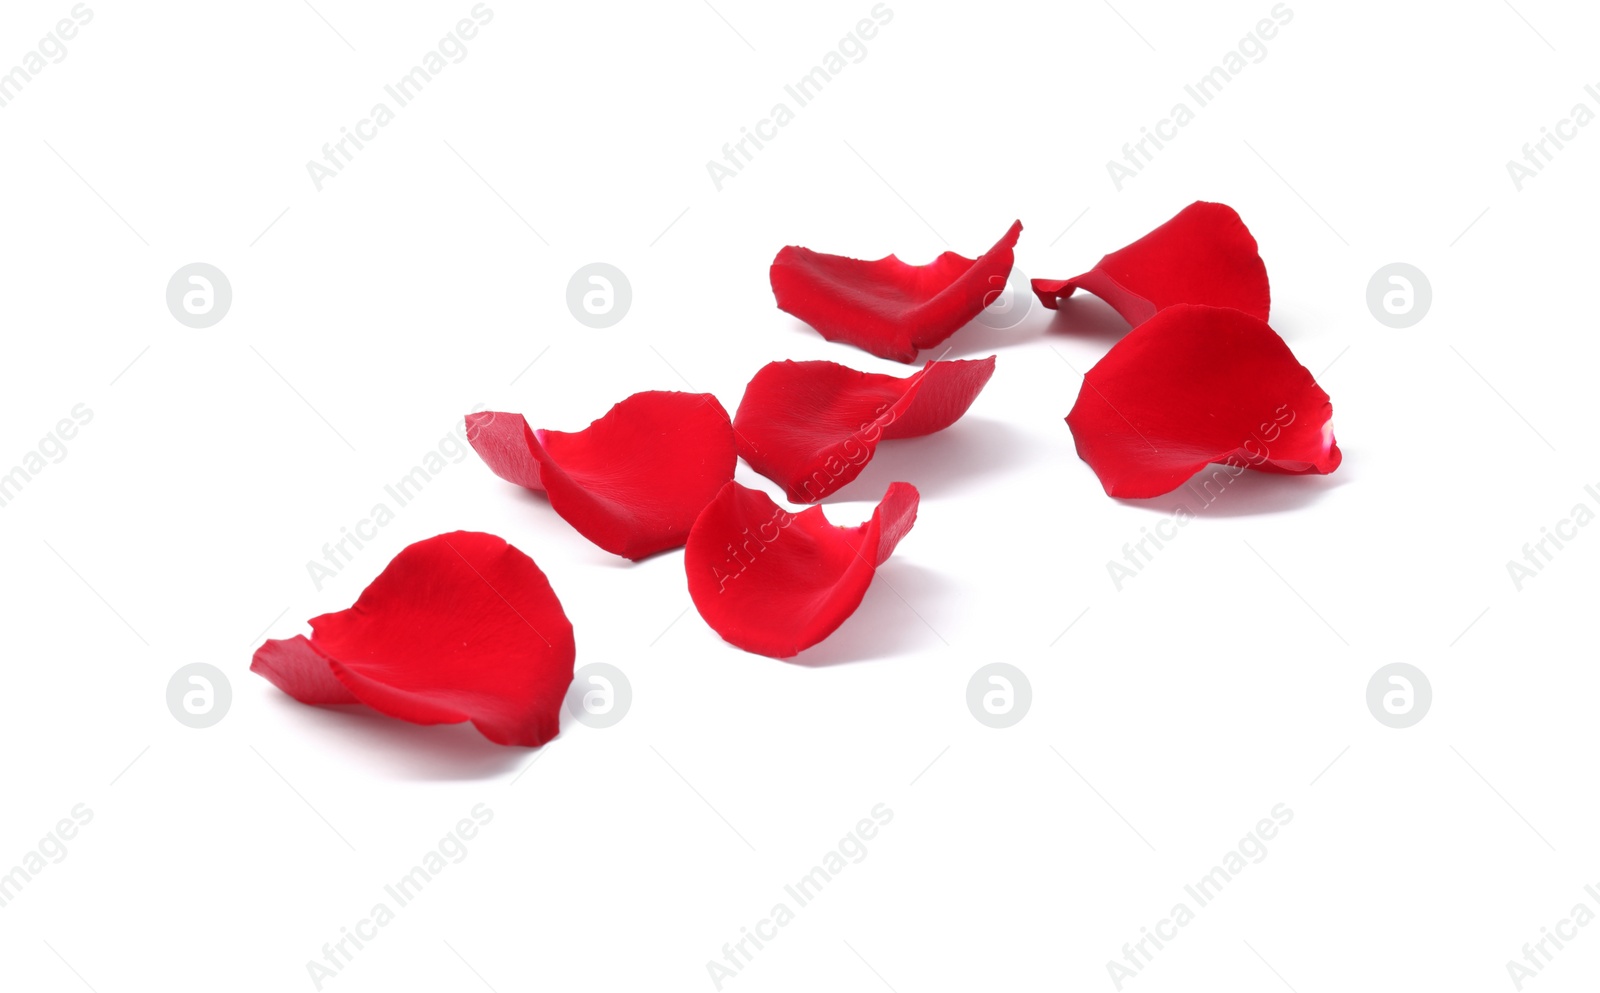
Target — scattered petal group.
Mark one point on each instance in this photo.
(464, 627)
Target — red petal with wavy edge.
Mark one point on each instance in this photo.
(459, 627)
(1204, 255)
(776, 583)
(811, 427)
(885, 306)
(1196, 385)
(631, 482)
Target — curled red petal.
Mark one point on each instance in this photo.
(1203, 255)
(295, 666)
(811, 427)
(633, 481)
(1196, 385)
(776, 583)
(886, 306)
(459, 627)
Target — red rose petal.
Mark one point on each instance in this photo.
(459, 627)
(1195, 385)
(295, 666)
(631, 482)
(885, 306)
(776, 583)
(1203, 255)
(811, 427)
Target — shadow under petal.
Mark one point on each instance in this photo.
(1217, 492)
(970, 451)
(1088, 317)
(896, 617)
(413, 751)
(977, 339)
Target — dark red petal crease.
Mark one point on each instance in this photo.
(1196, 385)
(886, 306)
(774, 582)
(633, 481)
(811, 427)
(1203, 255)
(459, 627)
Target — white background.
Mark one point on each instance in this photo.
(1228, 677)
